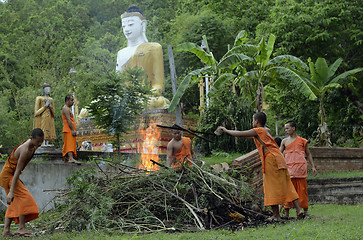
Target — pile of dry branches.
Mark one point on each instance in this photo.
(132, 200)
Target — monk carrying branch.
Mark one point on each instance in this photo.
(277, 185)
(69, 132)
(296, 148)
(22, 207)
(179, 150)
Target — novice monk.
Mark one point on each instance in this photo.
(295, 149)
(179, 150)
(277, 185)
(69, 132)
(22, 207)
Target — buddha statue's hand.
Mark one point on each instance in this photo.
(158, 102)
(156, 91)
(48, 103)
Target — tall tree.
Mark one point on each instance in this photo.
(321, 81)
(328, 28)
(248, 66)
(117, 100)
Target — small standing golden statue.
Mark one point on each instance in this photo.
(44, 115)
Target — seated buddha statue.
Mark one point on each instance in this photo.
(140, 53)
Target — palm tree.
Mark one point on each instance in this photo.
(320, 81)
(246, 65)
(220, 72)
(253, 76)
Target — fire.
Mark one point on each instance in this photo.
(149, 147)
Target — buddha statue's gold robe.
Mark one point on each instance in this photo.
(149, 56)
(44, 118)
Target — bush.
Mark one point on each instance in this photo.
(232, 111)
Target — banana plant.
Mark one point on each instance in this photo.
(320, 81)
(262, 70)
(248, 66)
(220, 72)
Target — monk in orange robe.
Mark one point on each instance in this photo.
(69, 132)
(179, 151)
(21, 205)
(295, 149)
(277, 185)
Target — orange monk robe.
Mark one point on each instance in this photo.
(183, 154)
(277, 185)
(69, 144)
(297, 166)
(23, 203)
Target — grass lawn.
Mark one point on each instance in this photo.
(219, 157)
(336, 174)
(328, 222)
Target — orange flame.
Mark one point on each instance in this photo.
(149, 147)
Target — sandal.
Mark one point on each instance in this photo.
(26, 234)
(273, 220)
(300, 216)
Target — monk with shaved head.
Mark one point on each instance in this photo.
(277, 185)
(21, 205)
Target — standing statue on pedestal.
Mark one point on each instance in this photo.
(44, 115)
(139, 53)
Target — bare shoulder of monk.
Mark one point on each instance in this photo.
(176, 145)
(66, 110)
(23, 150)
(288, 141)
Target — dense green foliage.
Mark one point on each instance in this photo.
(231, 111)
(41, 40)
(330, 29)
(118, 100)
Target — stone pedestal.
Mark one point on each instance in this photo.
(87, 131)
(48, 153)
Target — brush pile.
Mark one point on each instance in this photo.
(134, 200)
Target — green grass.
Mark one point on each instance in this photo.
(219, 157)
(336, 174)
(328, 222)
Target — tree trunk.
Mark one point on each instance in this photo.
(323, 132)
(118, 145)
(259, 98)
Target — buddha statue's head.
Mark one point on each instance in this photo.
(134, 25)
(46, 89)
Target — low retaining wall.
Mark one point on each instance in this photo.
(337, 159)
(336, 190)
(40, 177)
(325, 159)
(332, 190)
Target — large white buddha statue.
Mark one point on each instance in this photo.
(141, 53)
